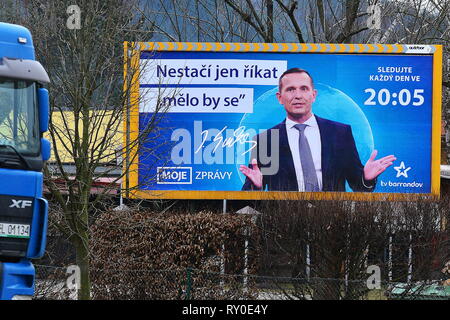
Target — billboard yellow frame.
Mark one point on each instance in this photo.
(132, 53)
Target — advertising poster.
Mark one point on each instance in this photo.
(369, 120)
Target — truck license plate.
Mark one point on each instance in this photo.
(11, 230)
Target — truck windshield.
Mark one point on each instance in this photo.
(18, 117)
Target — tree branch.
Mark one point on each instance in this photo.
(290, 13)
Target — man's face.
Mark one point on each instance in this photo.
(297, 96)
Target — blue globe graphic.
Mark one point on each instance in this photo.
(330, 103)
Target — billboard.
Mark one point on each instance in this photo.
(285, 121)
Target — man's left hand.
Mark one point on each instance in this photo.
(374, 168)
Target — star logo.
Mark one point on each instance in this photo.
(402, 170)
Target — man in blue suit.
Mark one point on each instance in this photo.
(315, 154)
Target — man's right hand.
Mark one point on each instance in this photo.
(254, 174)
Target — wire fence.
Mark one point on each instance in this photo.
(192, 284)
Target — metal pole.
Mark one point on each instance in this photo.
(128, 121)
(410, 259)
(390, 259)
(308, 260)
(121, 197)
(245, 261)
(366, 257)
(347, 259)
(222, 262)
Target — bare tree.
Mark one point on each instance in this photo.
(84, 57)
(329, 244)
(346, 21)
(86, 69)
(196, 20)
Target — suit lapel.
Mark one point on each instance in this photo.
(287, 168)
(326, 152)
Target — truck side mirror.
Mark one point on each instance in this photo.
(42, 95)
(45, 149)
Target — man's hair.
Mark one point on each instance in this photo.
(294, 70)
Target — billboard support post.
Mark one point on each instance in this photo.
(222, 260)
(247, 234)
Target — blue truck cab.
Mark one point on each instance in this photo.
(24, 117)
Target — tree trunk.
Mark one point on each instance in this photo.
(269, 21)
(81, 243)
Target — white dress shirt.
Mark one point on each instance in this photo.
(312, 134)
